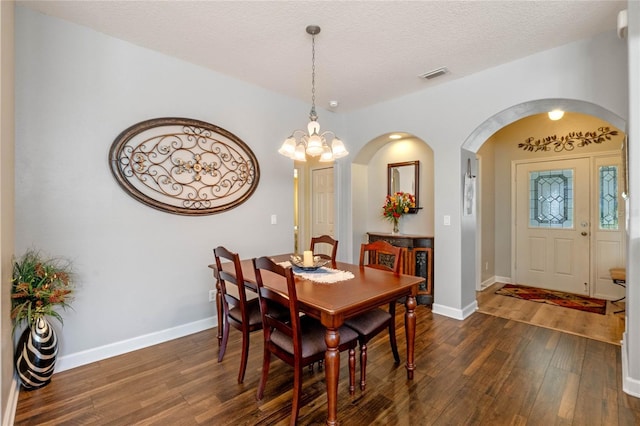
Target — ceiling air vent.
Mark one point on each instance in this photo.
(434, 73)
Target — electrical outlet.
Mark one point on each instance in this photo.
(212, 295)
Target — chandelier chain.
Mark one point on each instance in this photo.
(312, 142)
(313, 75)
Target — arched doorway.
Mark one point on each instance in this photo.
(472, 233)
(369, 185)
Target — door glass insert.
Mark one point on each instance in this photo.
(608, 189)
(551, 199)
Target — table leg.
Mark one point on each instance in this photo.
(332, 373)
(410, 329)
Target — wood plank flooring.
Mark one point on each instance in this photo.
(606, 328)
(486, 370)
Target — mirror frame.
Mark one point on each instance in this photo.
(416, 169)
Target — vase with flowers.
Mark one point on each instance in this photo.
(397, 205)
(39, 287)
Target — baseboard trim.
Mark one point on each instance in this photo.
(9, 416)
(459, 314)
(487, 283)
(492, 280)
(629, 385)
(118, 348)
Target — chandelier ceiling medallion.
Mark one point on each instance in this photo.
(311, 142)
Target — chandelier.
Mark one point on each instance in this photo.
(311, 142)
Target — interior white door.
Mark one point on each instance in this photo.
(553, 225)
(322, 200)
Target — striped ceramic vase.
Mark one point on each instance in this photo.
(36, 354)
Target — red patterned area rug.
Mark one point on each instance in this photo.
(552, 297)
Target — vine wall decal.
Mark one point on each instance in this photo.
(568, 142)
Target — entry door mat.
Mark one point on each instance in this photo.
(553, 297)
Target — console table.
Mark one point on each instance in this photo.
(417, 259)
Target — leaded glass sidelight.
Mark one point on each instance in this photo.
(608, 190)
(551, 199)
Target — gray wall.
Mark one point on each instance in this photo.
(142, 273)
(8, 388)
(631, 341)
(458, 112)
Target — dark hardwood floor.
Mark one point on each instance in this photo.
(485, 370)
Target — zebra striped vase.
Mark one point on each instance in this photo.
(36, 354)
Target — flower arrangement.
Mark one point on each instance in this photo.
(397, 205)
(39, 285)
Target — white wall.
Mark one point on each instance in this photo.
(140, 271)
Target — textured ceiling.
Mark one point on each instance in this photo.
(367, 51)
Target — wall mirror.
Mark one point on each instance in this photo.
(404, 177)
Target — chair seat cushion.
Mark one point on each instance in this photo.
(369, 321)
(312, 337)
(253, 308)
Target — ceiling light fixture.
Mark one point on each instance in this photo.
(312, 142)
(556, 114)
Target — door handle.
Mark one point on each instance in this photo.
(584, 234)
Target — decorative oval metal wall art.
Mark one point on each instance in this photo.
(184, 166)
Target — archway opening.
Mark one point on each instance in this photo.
(369, 185)
(492, 253)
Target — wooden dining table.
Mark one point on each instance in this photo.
(333, 303)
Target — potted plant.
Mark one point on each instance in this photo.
(40, 286)
(397, 205)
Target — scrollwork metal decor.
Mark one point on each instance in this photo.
(568, 142)
(184, 166)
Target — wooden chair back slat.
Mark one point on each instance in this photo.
(325, 239)
(269, 300)
(376, 255)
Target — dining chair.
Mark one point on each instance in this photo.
(238, 311)
(299, 341)
(325, 241)
(379, 255)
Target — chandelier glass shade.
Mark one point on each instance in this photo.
(312, 142)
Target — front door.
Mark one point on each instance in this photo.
(553, 225)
